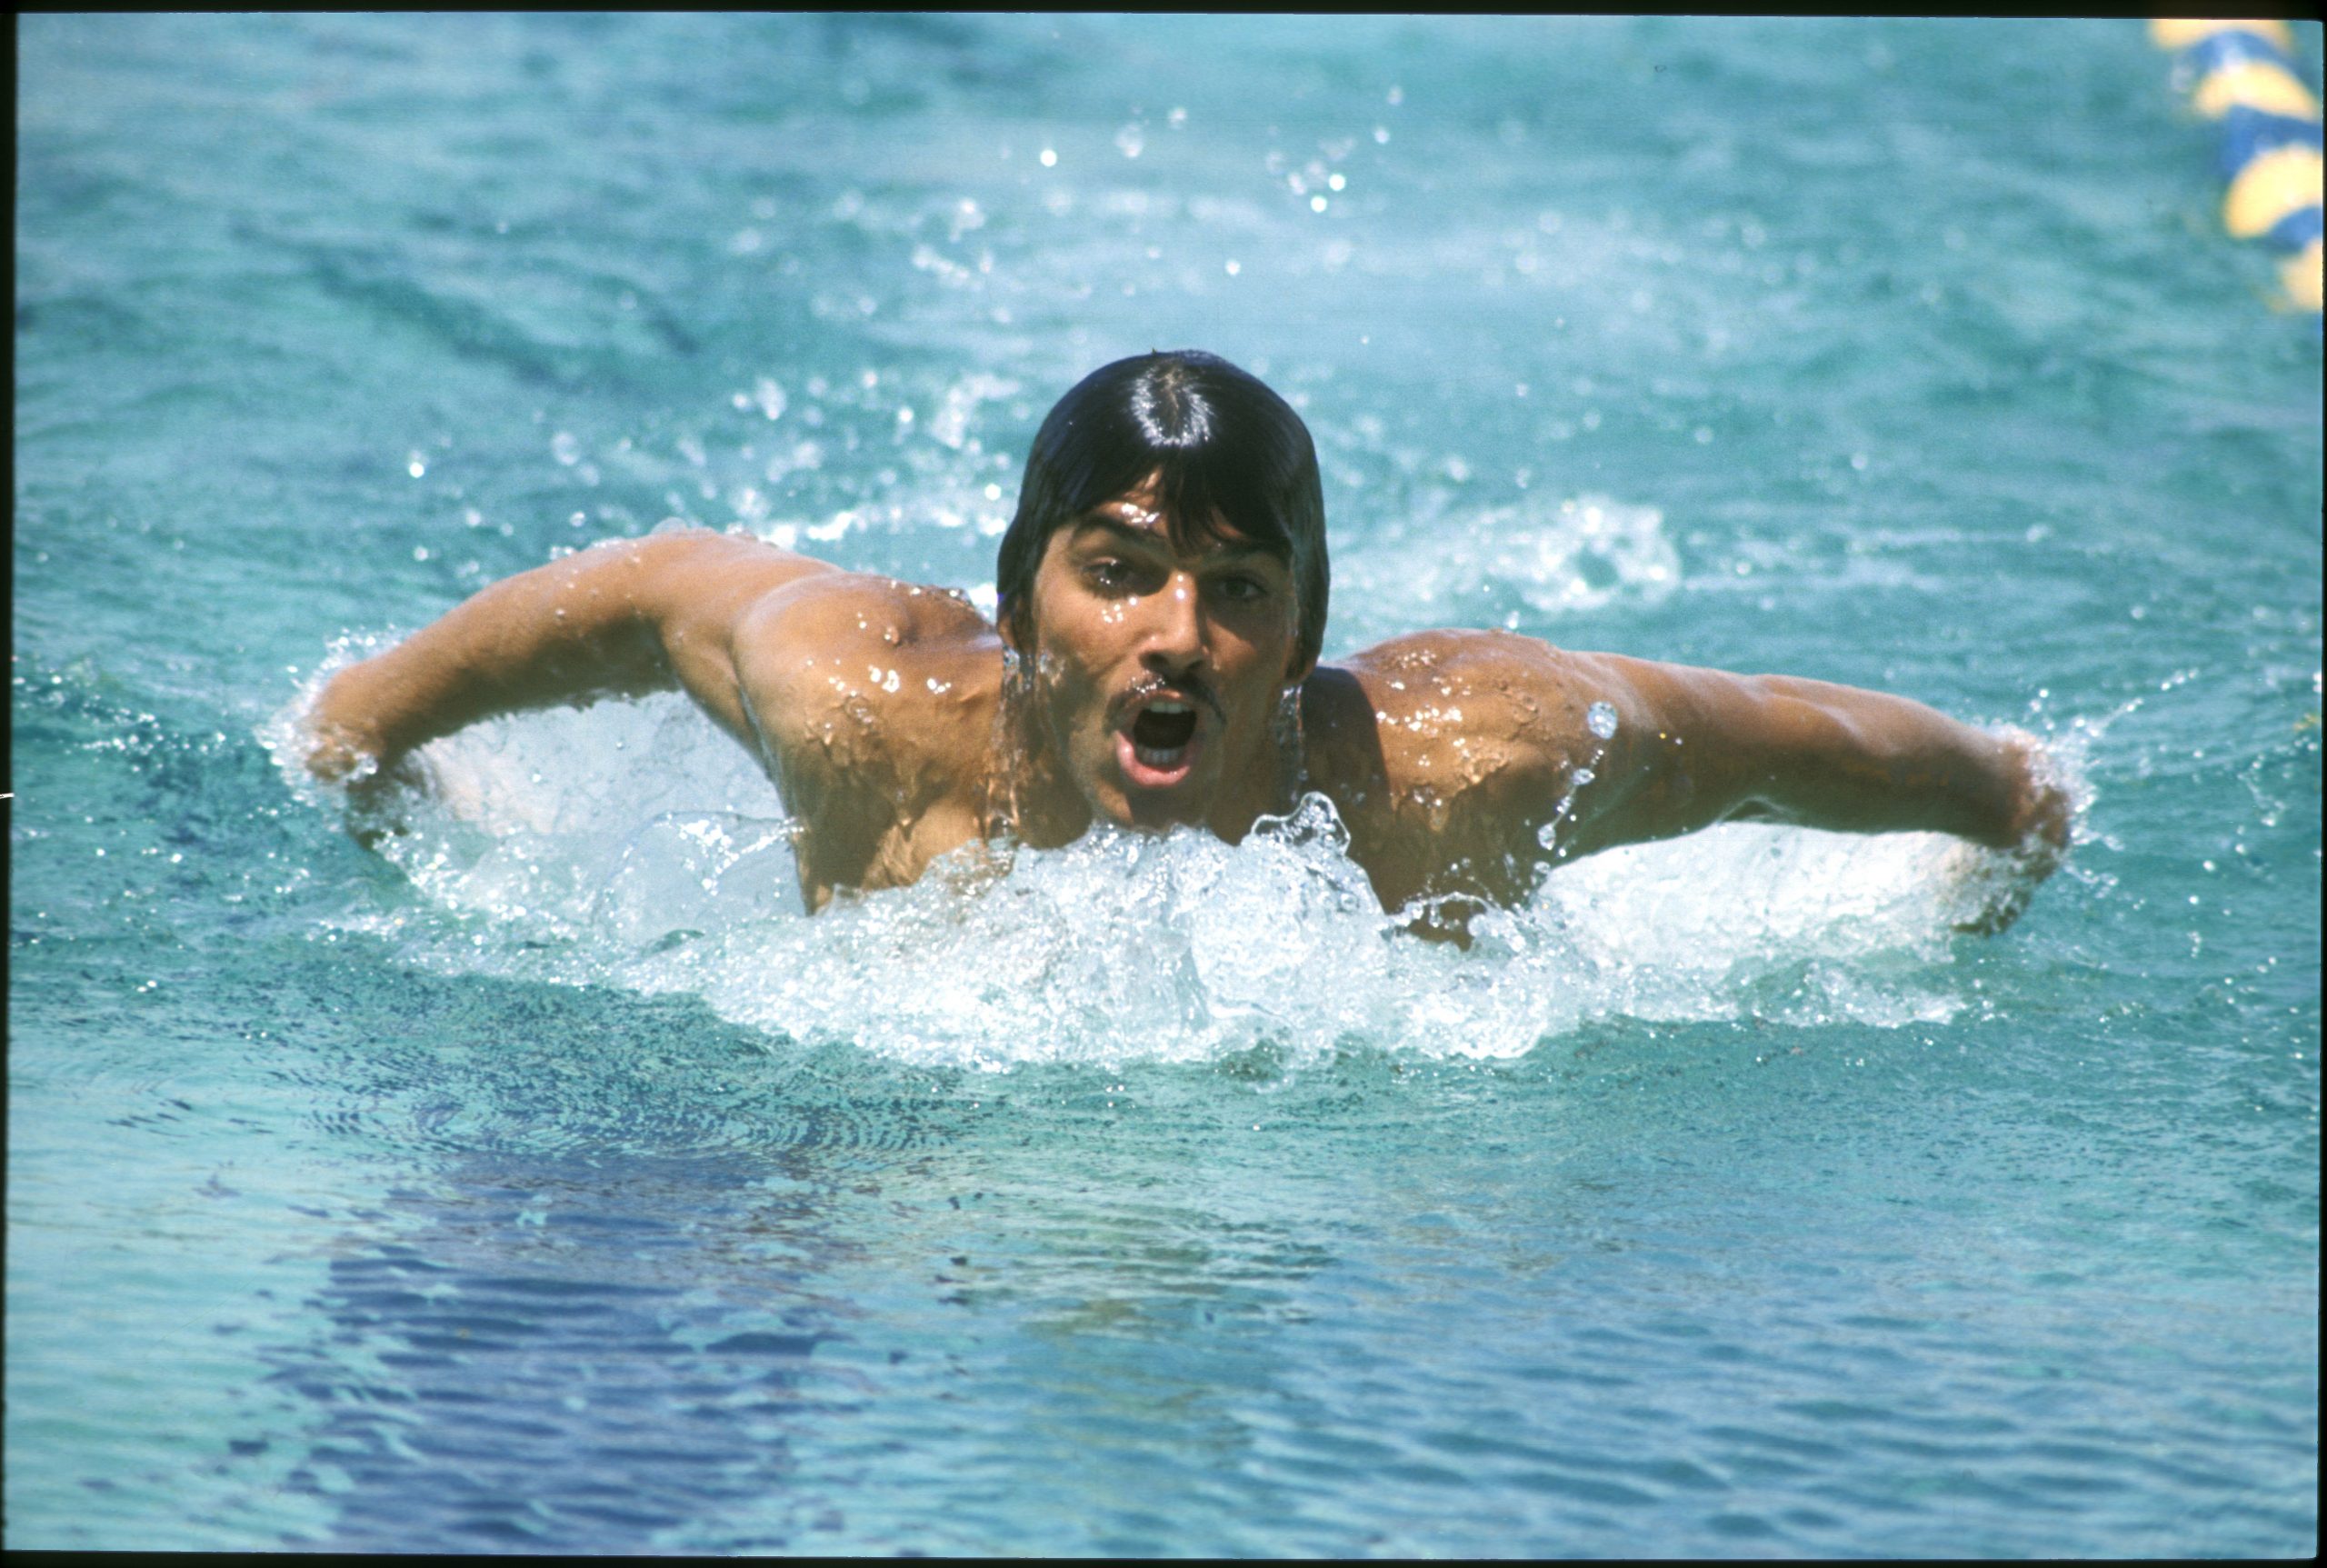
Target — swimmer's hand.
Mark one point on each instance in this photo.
(2042, 819)
(343, 754)
(338, 754)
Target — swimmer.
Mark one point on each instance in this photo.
(1153, 662)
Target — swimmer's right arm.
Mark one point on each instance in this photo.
(620, 619)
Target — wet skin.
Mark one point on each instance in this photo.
(1151, 671)
(1156, 669)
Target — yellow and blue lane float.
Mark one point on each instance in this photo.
(2243, 74)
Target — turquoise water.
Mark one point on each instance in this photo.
(551, 1182)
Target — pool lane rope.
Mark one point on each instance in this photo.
(2243, 74)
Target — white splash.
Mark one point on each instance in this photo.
(1556, 558)
(632, 844)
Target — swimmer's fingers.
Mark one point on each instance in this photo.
(337, 756)
(377, 801)
(2046, 820)
(1998, 912)
(2043, 847)
(340, 754)
(2053, 819)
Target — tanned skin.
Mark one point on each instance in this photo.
(873, 704)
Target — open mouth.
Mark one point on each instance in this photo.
(1158, 747)
(1161, 733)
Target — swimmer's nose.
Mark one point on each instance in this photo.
(1175, 631)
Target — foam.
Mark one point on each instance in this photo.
(1549, 560)
(632, 844)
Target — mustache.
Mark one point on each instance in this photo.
(1190, 688)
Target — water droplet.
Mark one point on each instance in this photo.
(1580, 777)
(1601, 719)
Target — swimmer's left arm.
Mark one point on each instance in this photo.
(1697, 747)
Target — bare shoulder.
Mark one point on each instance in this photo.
(843, 620)
(863, 606)
(682, 567)
(865, 667)
(1480, 703)
(1445, 751)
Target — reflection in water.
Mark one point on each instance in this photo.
(571, 1356)
(595, 1315)
(643, 1348)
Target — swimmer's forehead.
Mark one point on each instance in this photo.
(1130, 519)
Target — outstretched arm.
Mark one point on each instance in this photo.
(1696, 746)
(620, 619)
(1463, 761)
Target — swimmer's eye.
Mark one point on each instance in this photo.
(1242, 590)
(1109, 574)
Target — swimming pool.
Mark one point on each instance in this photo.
(552, 1184)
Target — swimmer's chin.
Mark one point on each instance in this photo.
(1149, 816)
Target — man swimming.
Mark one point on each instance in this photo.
(1154, 662)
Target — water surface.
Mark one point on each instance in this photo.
(549, 1181)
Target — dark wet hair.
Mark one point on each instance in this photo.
(1226, 446)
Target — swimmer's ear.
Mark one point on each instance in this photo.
(1005, 621)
